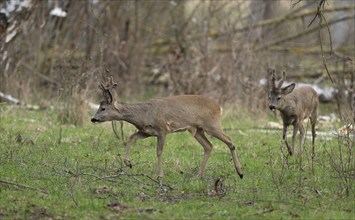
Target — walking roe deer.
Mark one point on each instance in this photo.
(158, 117)
(295, 105)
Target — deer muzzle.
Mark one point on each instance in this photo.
(272, 107)
(94, 120)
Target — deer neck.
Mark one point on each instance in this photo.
(131, 113)
(288, 105)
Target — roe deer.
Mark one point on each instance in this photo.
(158, 117)
(295, 105)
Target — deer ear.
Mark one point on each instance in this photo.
(288, 89)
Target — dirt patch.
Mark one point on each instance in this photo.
(174, 198)
(117, 206)
(104, 192)
(39, 213)
(2, 214)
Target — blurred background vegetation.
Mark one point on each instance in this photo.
(53, 53)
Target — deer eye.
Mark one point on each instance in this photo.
(103, 109)
(279, 97)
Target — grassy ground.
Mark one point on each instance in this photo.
(48, 170)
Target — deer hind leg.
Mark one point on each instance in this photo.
(207, 146)
(218, 133)
(133, 137)
(302, 134)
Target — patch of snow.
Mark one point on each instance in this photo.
(93, 106)
(263, 81)
(10, 35)
(15, 6)
(56, 11)
(95, 2)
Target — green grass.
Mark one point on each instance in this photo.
(48, 170)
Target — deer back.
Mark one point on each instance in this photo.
(304, 101)
(171, 114)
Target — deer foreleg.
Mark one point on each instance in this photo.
(160, 145)
(207, 146)
(133, 137)
(295, 129)
(284, 138)
(302, 134)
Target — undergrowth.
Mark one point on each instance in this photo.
(49, 170)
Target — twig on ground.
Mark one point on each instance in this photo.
(127, 175)
(22, 186)
(73, 198)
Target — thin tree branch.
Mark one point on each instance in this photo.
(321, 44)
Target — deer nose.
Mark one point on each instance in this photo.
(271, 107)
(93, 120)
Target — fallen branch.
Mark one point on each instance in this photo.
(22, 186)
(279, 20)
(12, 100)
(9, 98)
(41, 75)
(309, 50)
(295, 36)
(127, 175)
(160, 43)
(110, 177)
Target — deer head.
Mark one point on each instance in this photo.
(109, 105)
(277, 94)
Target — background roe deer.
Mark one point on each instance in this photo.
(158, 117)
(295, 105)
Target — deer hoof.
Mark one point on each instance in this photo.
(200, 174)
(290, 151)
(199, 177)
(160, 180)
(128, 163)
